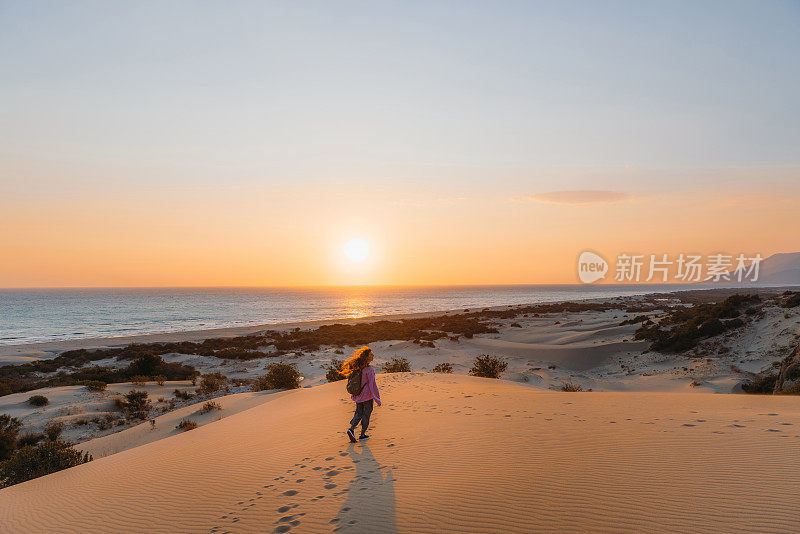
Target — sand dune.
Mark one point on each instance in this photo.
(448, 454)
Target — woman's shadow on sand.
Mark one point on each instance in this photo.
(370, 504)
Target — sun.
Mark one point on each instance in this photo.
(356, 250)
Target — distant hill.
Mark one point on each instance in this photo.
(778, 269)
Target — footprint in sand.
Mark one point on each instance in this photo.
(688, 424)
(289, 493)
(737, 426)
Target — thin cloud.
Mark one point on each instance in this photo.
(576, 197)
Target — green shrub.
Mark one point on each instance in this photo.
(443, 368)
(210, 406)
(53, 430)
(397, 365)
(136, 405)
(9, 431)
(95, 385)
(279, 376)
(186, 425)
(38, 400)
(32, 462)
(333, 371)
(212, 382)
(486, 366)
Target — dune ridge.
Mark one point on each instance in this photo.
(448, 454)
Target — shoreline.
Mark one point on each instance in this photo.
(22, 352)
(44, 348)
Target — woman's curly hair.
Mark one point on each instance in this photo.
(357, 361)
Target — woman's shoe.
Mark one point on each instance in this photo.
(363, 436)
(351, 435)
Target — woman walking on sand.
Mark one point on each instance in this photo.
(362, 388)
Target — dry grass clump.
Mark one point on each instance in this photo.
(95, 385)
(186, 425)
(443, 368)
(209, 407)
(160, 379)
(486, 366)
(571, 386)
(397, 365)
(38, 400)
(279, 376)
(182, 395)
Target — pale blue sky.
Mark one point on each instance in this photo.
(516, 97)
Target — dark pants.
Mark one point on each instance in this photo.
(363, 411)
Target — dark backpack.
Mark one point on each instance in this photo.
(354, 386)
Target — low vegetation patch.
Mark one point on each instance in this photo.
(182, 395)
(9, 432)
(443, 368)
(210, 406)
(790, 299)
(53, 430)
(279, 376)
(139, 380)
(212, 383)
(571, 386)
(160, 379)
(333, 371)
(38, 400)
(52, 373)
(186, 424)
(397, 365)
(488, 367)
(95, 385)
(31, 462)
(29, 439)
(135, 404)
(684, 328)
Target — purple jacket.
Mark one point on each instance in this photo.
(370, 390)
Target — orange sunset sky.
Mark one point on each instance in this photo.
(149, 145)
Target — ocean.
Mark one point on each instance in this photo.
(34, 315)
